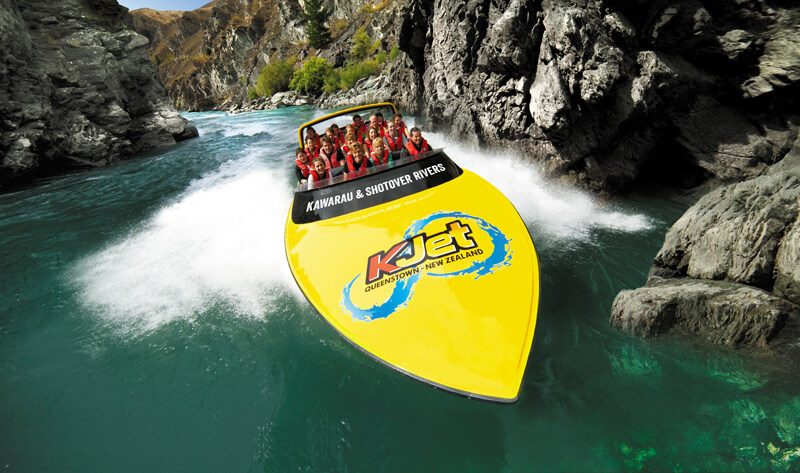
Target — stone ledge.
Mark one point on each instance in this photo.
(723, 312)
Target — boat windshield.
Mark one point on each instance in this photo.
(345, 193)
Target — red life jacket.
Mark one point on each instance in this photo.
(316, 140)
(351, 166)
(330, 161)
(312, 174)
(377, 161)
(312, 153)
(412, 150)
(394, 145)
(305, 167)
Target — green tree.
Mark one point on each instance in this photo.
(316, 15)
(394, 53)
(311, 78)
(276, 77)
(362, 45)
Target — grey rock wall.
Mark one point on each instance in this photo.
(610, 93)
(76, 89)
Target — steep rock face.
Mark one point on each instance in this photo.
(205, 55)
(76, 89)
(728, 267)
(211, 57)
(607, 93)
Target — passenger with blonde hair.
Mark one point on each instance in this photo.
(380, 155)
(349, 139)
(373, 133)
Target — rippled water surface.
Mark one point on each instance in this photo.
(149, 322)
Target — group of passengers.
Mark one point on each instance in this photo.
(362, 145)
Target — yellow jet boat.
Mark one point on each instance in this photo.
(424, 266)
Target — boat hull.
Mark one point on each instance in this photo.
(441, 285)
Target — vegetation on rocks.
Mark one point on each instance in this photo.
(316, 15)
(276, 77)
(362, 45)
(311, 78)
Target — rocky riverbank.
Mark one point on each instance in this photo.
(77, 90)
(729, 269)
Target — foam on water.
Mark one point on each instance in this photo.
(561, 213)
(221, 242)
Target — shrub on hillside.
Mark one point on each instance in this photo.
(275, 77)
(331, 82)
(311, 78)
(355, 72)
(362, 45)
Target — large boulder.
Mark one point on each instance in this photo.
(722, 312)
(745, 233)
(728, 269)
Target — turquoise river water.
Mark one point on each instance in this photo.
(149, 323)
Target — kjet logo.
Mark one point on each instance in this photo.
(430, 247)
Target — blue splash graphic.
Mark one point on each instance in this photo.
(499, 258)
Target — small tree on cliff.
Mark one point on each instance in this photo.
(316, 15)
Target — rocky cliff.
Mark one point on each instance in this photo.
(211, 57)
(608, 93)
(611, 94)
(603, 94)
(76, 89)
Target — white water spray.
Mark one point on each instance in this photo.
(221, 242)
(559, 212)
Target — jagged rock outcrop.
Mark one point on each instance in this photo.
(721, 312)
(605, 94)
(729, 267)
(608, 93)
(76, 89)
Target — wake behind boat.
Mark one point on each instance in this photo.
(424, 266)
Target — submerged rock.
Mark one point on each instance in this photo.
(76, 89)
